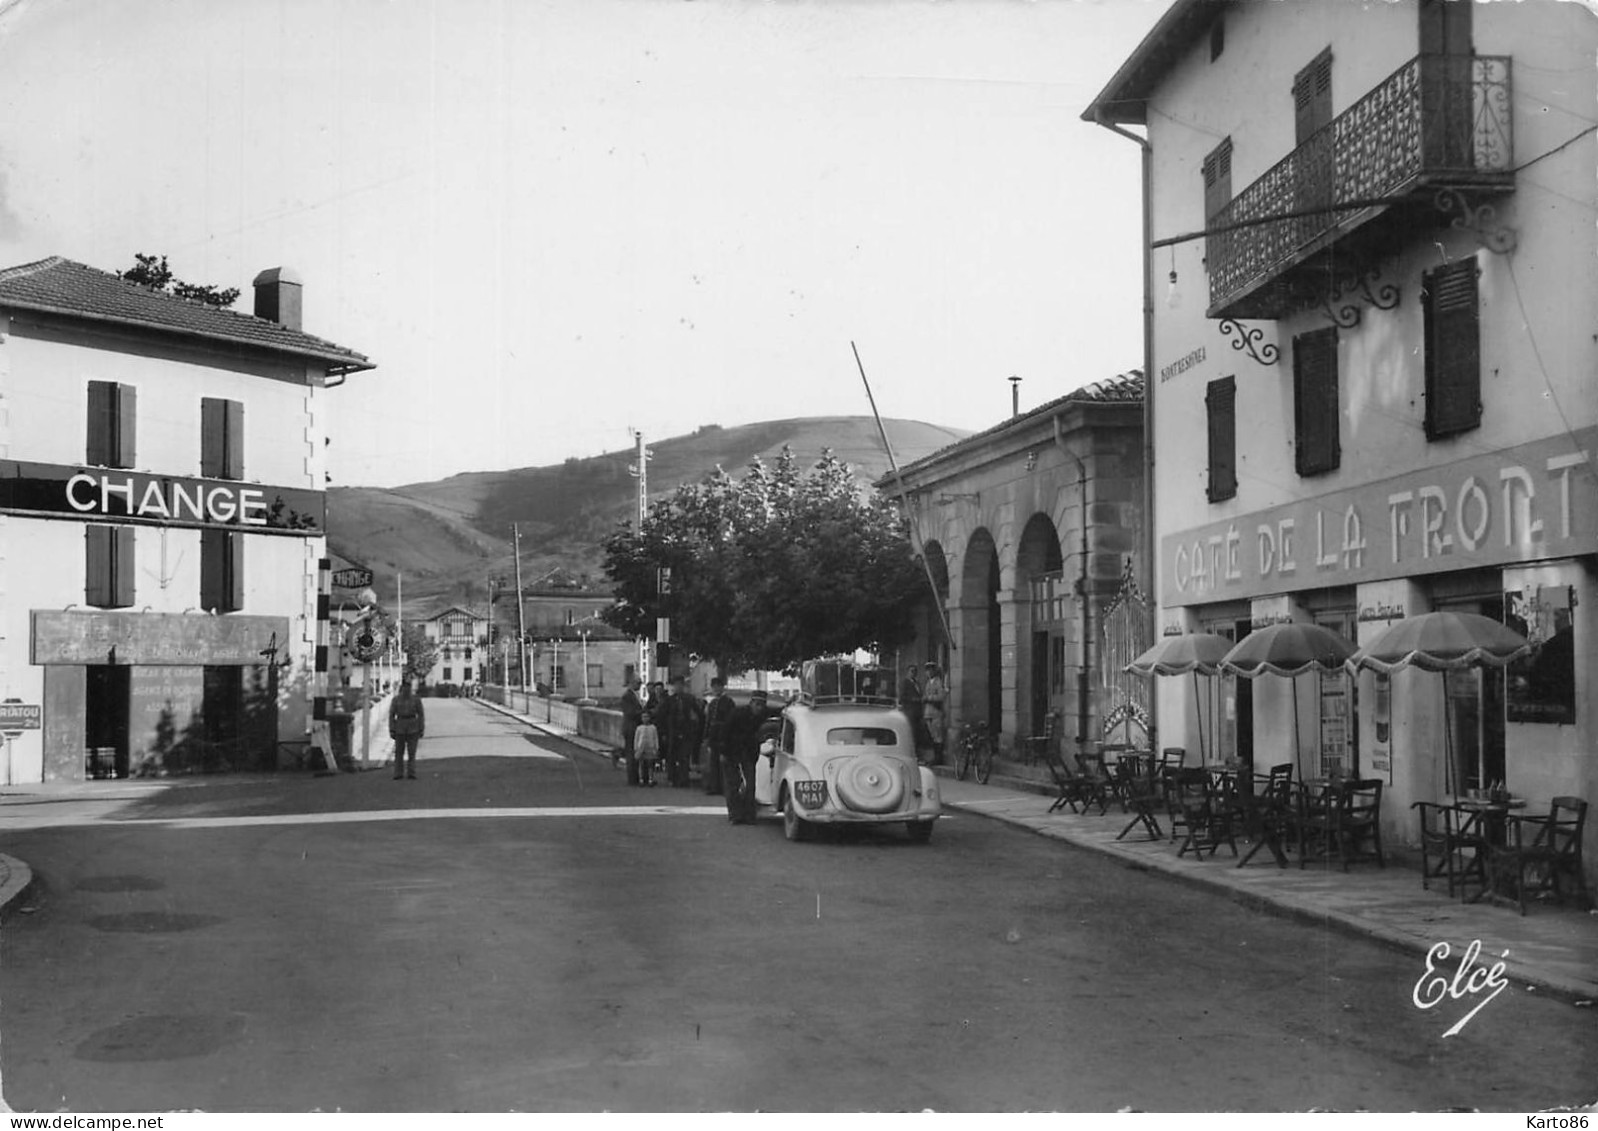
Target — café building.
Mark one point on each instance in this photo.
(162, 522)
(1371, 268)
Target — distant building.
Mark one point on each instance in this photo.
(162, 519)
(569, 650)
(463, 647)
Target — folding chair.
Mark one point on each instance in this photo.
(1553, 856)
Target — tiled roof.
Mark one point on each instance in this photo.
(60, 286)
(1123, 388)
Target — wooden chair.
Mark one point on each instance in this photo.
(1551, 859)
(1096, 781)
(1205, 815)
(1139, 795)
(1071, 787)
(1359, 832)
(1448, 851)
(1268, 814)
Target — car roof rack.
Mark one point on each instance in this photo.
(832, 682)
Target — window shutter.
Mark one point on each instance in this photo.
(98, 451)
(233, 466)
(122, 566)
(97, 566)
(1218, 178)
(127, 418)
(1220, 401)
(235, 571)
(212, 563)
(213, 424)
(1312, 97)
(1317, 447)
(1453, 350)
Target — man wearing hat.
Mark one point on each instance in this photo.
(739, 757)
(933, 692)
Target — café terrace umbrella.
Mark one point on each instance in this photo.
(1288, 650)
(1442, 642)
(1196, 652)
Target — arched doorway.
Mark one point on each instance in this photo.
(1041, 626)
(981, 688)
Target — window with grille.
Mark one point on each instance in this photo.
(108, 567)
(113, 409)
(1312, 97)
(1453, 349)
(221, 571)
(1220, 404)
(221, 438)
(1317, 448)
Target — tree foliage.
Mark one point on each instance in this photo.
(152, 271)
(768, 570)
(421, 653)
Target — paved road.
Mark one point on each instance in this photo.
(518, 930)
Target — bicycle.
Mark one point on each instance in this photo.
(976, 752)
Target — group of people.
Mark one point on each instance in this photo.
(924, 703)
(667, 727)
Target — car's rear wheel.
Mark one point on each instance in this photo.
(794, 827)
(920, 831)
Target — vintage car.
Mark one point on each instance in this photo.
(846, 755)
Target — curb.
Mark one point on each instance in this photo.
(15, 880)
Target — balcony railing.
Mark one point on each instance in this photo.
(1439, 121)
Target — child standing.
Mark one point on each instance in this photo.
(646, 749)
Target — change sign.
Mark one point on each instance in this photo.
(352, 578)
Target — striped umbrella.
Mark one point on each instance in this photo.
(1288, 650)
(1197, 652)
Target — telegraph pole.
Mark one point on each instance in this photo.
(521, 627)
(640, 469)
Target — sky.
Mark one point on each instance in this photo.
(552, 222)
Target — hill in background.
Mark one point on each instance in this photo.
(446, 538)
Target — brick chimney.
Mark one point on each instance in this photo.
(278, 297)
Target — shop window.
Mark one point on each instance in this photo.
(221, 438)
(221, 571)
(1316, 446)
(1453, 349)
(1542, 685)
(113, 410)
(108, 566)
(1220, 403)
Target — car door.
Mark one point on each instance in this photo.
(770, 769)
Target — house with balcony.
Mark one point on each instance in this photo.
(162, 523)
(461, 637)
(1372, 283)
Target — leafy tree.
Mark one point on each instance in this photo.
(420, 653)
(769, 570)
(152, 271)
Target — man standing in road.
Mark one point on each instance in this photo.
(740, 756)
(910, 704)
(407, 722)
(932, 696)
(680, 732)
(632, 713)
(717, 715)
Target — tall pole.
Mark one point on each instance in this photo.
(521, 626)
(399, 618)
(640, 469)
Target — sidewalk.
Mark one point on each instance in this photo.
(1552, 948)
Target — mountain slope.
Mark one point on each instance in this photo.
(447, 537)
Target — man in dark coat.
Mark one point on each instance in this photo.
(739, 758)
(681, 729)
(632, 712)
(407, 722)
(717, 715)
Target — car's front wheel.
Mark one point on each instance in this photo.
(794, 826)
(920, 831)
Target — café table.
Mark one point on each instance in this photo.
(1486, 819)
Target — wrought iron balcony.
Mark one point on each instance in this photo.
(1359, 184)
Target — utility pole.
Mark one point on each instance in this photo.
(640, 470)
(521, 627)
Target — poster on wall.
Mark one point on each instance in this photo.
(1542, 685)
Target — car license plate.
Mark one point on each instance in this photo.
(811, 794)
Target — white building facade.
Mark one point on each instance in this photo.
(1373, 372)
(162, 518)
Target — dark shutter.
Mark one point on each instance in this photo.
(100, 451)
(233, 465)
(97, 567)
(1218, 178)
(1316, 415)
(127, 418)
(1312, 97)
(1453, 349)
(1220, 402)
(235, 571)
(122, 566)
(213, 436)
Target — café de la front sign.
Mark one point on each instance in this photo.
(110, 494)
(1532, 502)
